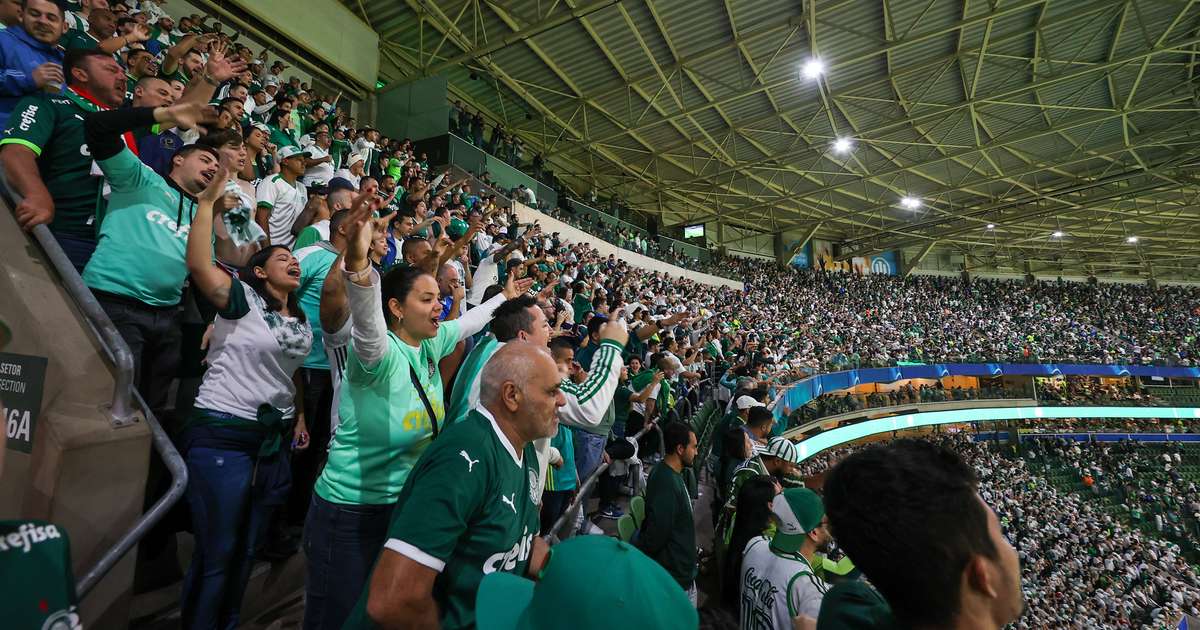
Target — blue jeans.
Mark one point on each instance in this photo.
(341, 544)
(78, 250)
(589, 452)
(228, 524)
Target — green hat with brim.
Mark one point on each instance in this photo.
(623, 587)
(854, 605)
(799, 511)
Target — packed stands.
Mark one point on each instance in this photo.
(347, 343)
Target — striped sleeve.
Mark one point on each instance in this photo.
(588, 401)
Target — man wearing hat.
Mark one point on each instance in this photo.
(281, 197)
(339, 195)
(780, 589)
(623, 586)
(353, 171)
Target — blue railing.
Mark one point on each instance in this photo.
(807, 389)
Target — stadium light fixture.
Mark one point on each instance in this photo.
(813, 68)
(1131, 239)
(1057, 234)
(910, 203)
(842, 145)
(991, 226)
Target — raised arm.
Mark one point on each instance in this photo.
(475, 319)
(212, 283)
(363, 287)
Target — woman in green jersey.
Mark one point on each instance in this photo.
(389, 412)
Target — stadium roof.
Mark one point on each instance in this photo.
(1035, 117)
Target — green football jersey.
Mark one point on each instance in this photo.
(35, 569)
(141, 252)
(315, 261)
(467, 510)
(52, 127)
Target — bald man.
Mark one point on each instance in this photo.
(468, 509)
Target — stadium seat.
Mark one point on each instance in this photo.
(626, 528)
(637, 509)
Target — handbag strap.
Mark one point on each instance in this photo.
(424, 399)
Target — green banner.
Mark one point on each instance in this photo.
(22, 378)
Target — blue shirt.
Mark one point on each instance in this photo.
(20, 53)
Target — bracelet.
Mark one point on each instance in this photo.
(207, 78)
(361, 274)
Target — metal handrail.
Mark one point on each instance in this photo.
(120, 411)
(568, 515)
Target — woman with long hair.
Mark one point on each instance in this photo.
(753, 518)
(247, 405)
(390, 410)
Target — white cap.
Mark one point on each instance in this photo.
(746, 402)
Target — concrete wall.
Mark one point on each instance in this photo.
(550, 224)
(82, 474)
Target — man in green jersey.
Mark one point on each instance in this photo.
(467, 509)
(668, 535)
(138, 268)
(47, 160)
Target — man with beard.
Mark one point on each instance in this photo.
(47, 160)
(780, 589)
(30, 56)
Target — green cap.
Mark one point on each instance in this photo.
(799, 511)
(854, 605)
(456, 229)
(589, 583)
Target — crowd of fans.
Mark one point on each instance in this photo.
(1081, 565)
(366, 360)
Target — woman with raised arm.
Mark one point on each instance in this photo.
(248, 403)
(389, 412)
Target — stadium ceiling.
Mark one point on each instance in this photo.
(1059, 131)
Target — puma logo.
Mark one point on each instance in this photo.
(470, 462)
(510, 502)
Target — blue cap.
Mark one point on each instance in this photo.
(340, 183)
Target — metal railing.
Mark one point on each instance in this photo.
(570, 515)
(120, 411)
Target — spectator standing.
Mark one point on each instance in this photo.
(245, 408)
(895, 506)
(281, 197)
(468, 510)
(390, 410)
(339, 196)
(139, 265)
(319, 165)
(779, 584)
(46, 159)
(752, 521)
(30, 55)
(668, 534)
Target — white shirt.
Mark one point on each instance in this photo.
(350, 177)
(319, 173)
(286, 202)
(253, 356)
(336, 345)
(485, 276)
(777, 587)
